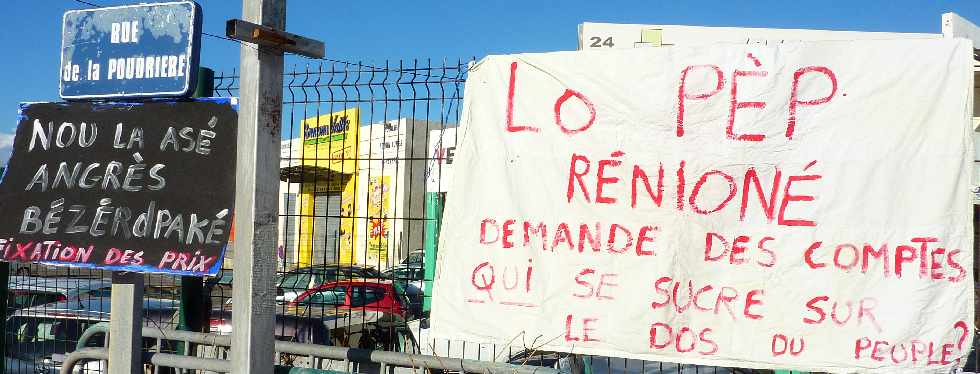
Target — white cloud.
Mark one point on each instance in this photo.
(6, 145)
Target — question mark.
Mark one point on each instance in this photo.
(966, 330)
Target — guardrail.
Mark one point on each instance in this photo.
(385, 358)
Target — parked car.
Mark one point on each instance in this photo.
(220, 286)
(28, 291)
(412, 278)
(294, 282)
(416, 257)
(39, 337)
(150, 291)
(411, 274)
(225, 277)
(288, 328)
(611, 365)
(361, 294)
(331, 326)
(514, 353)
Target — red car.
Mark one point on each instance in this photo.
(369, 295)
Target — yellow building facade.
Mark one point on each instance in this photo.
(325, 173)
(353, 193)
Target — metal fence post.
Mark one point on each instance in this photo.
(433, 219)
(205, 83)
(4, 289)
(126, 324)
(195, 303)
(257, 185)
(4, 284)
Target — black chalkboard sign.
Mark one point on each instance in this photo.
(145, 187)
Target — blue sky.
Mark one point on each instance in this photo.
(386, 30)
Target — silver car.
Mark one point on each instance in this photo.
(27, 291)
(39, 337)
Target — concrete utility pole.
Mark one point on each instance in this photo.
(126, 324)
(256, 189)
(257, 177)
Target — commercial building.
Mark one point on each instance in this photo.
(353, 194)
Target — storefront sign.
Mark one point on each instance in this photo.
(146, 187)
(798, 206)
(330, 141)
(146, 50)
(442, 152)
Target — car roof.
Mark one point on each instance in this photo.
(91, 308)
(412, 265)
(56, 284)
(333, 266)
(355, 282)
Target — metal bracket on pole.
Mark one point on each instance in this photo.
(126, 324)
(270, 37)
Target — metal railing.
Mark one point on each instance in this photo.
(346, 355)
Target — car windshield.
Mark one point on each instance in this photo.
(24, 330)
(369, 273)
(299, 281)
(364, 295)
(329, 275)
(17, 299)
(225, 277)
(408, 273)
(104, 292)
(333, 296)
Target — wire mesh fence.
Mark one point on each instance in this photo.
(366, 157)
(352, 212)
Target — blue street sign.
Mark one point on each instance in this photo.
(145, 50)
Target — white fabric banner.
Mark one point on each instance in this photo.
(799, 205)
